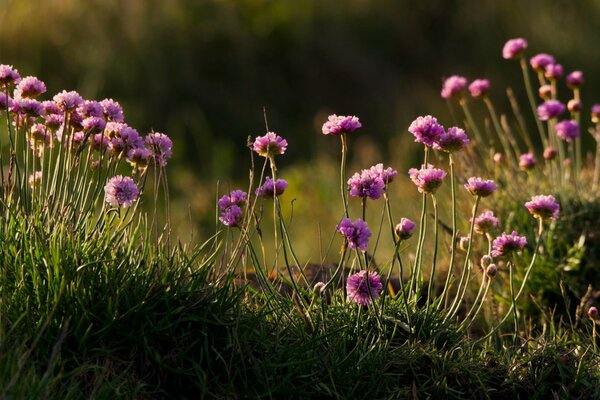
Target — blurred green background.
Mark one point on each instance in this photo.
(201, 71)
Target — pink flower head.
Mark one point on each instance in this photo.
(549, 153)
(99, 142)
(480, 187)
(93, 124)
(550, 109)
(527, 161)
(68, 101)
(161, 146)
(230, 208)
(404, 230)
(138, 157)
(452, 140)
(28, 107)
(553, 72)
(544, 207)
(270, 144)
(574, 105)
(593, 313)
(596, 113)
(479, 88)
(485, 222)
(121, 191)
(8, 75)
(5, 102)
(112, 110)
(356, 233)
(270, 188)
(567, 130)
(338, 124)
(50, 107)
(453, 86)
(387, 175)
(575, 79)
(90, 108)
(363, 287)
(131, 138)
(513, 48)
(506, 244)
(426, 130)
(539, 62)
(366, 184)
(427, 179)
(53, 121)
(29, 87)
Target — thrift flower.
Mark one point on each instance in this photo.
(28, 107)
(8, 75)
(485, 222)
(387, 175)
(550, 153)
(427, 179)
(91, 109)
(93, 124)
(363, 287)
(338, 124)
(479, 187)
(29, 87)
(593, 313)
(513, 48)
(539, 62)
(553, 71)
(453, 86)
(366, 184)
(575, 79)
(68, 101)
(506, 244)
(161, 146)
(567, 130)
(479, 88)
(452, 140)
(112, 110)
(527, 161)
(545, 92)
(271, 187)
(50, 107)
(550, 109)
(356, 233)
(270, 145)
(230, 207)
(404, 230)
(138, 157)
(426, 130)
(574, 105)
(544, 207)
(596, 113)
(121, 191)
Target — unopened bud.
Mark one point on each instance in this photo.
(574, 105)
(491, 270)
(463, 243)
(486, 260)
(545, 92)
(498, 158)
(404, 230)
(549, 153)
(318, 288)
(593, 313)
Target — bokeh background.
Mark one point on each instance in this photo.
(202, 71)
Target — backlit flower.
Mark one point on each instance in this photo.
(338, 124)
(539, 62)
(121, 191)
(575, 79)
(271, 187)
(404, 230)
(356, 233)
(427, 179)
(426, 130)
(479, 88)
(366, 184)
(453, 86)
(513, 48)
(485, 222)
(270, 144)
(480, 187)
(29, 87)
(567, 130)
(506, 244)
(553, 71)
(363, 287)
(452, 140)
(527, 161)
(550, 109)
(544, 207)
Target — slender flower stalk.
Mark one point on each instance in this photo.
(499, 131)
(513, 300)
(531, 99)
(435, 251)
(454, 234)
(465, 106)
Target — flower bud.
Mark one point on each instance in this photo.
(545, 92)
(318, 288)
(486, 261)
(463, 243)
(574, 105)
(549, 153)
(491, 270)
(593, 313)
(404, 230)
(498, 158)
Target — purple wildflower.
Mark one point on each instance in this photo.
(75, 120)
(28, 107)
(404, 230)
(29, 87)
(453, 86)
(463, 242)
(544, 207)
(553, 71)
(90, 108)
(131, 138)
(117, 146)
(121, 191)
(498, 158)
(527, 161)
(113, 129)
(270, 145)
(338, 124)
(50, 107)
(93, 124)
(5, 102)
(513, 48)
(549, 153)
(356, 233)
(506, 244)
(427, 179)
(485, 222)
(426, 130)
(366, 184)
(363, 287)
(593, 313)
(452, 140)
(112, 110)
(387, 175)
(596, 113)
(8, 75)
(567, 129)
(161, 146)
(575, 79)
(550, 109)
(271, 187)
(100, 142)
(230, 207)
(574, 105)
(68, 101)
(539, 62)
(480, 187)
(138, 157)
(479, 88)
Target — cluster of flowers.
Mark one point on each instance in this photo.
(75, 122)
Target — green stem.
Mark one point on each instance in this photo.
(513, 300)
(465, 107)
(454, 233)
(343, 175)
(531, 99)
(435, 251)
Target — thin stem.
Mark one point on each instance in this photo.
(343, 176)
(465, 106)
(513, 300)
(531, 99)
(454, 233)
(435, 251)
